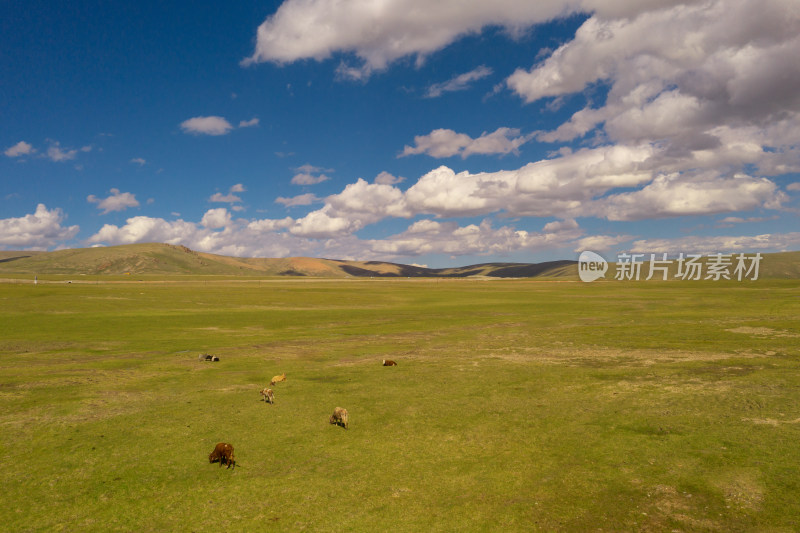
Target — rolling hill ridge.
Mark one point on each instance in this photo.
(166, 259)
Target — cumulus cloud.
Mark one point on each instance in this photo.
(431, 237)
(767, 242)
(216, 218)
(447, 143)
(55, 153)
(20, 149)
(117, 201)
(308, 179)
(147, 229)
(709, 84)
(728, 222)
(212, 125)
(583, 183)
(458, 83)
(249, 123)
(381, 32)
(229, 198)
(385, 178)
(676, 195)
(138, 161)
(302, 199)
(358, 205)
(600, 242)
(41, 230)
(310, 175)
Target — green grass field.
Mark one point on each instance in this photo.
(516, 406)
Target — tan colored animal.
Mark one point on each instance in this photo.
(389, 362)
(276, 379)
(268, 395)
(223, 452)
(340, 417)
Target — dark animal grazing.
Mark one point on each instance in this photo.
(268, 395)
(389, 362)
(204, 357)
(340, 417)
(223, 452)
(276, 379)
(215, 359)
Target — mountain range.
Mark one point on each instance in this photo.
(167, 259)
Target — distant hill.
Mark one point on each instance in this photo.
(165, 259)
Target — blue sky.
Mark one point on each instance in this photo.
(442, 133)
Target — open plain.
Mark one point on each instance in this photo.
(515, 405)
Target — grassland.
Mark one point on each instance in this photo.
(516, 406)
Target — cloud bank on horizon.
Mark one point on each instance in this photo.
(654, 110)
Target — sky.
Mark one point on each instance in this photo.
(438, 133)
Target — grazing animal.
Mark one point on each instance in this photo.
(205, 357)
(268, 395)
(223, 452)
(389, 362)
(276, 379)
(215, 359)
(340, 417)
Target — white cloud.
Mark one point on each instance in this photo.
(303, 199)
(357, 206)
(310, 175)
(239, 238)
(321, 225)
(766, 242)
(229, 198)
(431, 237)
(38, 231)
(311, 169)
(146, 229)
(216, 218)
(793, 186)
(447, 143)
(385, 178)
(710, 85)
(117, 201)
(600, 242)
(308, 179)
(212, 125)
(55, 153)
(676, 195)
(20, 149)
(740, 220)
(381, 32)
(249, 123)
(458, 83)
(138, 161)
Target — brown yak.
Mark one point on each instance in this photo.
(223, 452)
(340, 417)
(268, 395)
